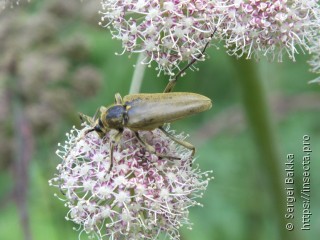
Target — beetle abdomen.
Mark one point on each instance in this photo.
(149, 111)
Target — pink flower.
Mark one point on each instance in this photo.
(168, 31)
(268, 28)
(10, 3)
(142, 196)
(315, 58)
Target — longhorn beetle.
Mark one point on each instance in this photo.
(149, 111)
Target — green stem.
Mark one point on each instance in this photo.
(261, 125)
(138, 75)
(22, 152)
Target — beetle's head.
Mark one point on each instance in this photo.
(99, 128)
(110, 118)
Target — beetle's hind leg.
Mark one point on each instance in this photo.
(181, 142)
(151, 148)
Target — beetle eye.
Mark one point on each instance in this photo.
(97, 128)
(100, 123)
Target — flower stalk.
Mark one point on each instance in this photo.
(259, 119)
(137, 75)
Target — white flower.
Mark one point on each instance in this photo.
(10, 3)
(167, 31)
(269, 28)
(315, 58)
(140, 197)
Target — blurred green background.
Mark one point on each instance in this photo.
(56, 61)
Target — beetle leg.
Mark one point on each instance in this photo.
(85, 118)
(102, 109)
(111, 156)
(95, 115)
(173, 82)
(117, 98)
(151, 148)
(181, 142)
(90, 120)
(116, 139)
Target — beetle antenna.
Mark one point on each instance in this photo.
(95, 114)
(81, 118)
(90, 130)
(173, 82)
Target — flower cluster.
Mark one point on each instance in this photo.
(10, 3)
(141, 197)
(315, 59)
(167, 32)
(268, 28)
(49, 74)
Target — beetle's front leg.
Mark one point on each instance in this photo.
(85, 118)
(115, 139)
(117, 98)
(151, 148)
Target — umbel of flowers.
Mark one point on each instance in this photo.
(141, 197)
(269, 28)
(167, 31)
(315, 59)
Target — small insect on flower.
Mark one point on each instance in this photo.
(147, 112)
(150, 111)
(117, 190)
